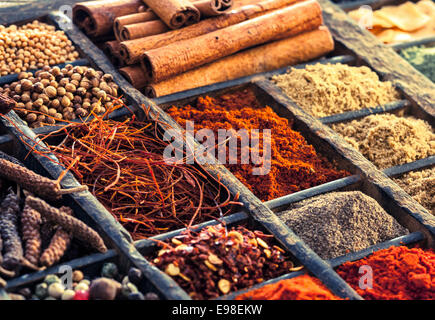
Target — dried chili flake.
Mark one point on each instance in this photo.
(215, 262)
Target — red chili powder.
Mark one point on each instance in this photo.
(295, 164)
(399, 273)
(303, 287)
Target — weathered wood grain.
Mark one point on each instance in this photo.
(15, 10)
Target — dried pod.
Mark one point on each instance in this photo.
(70, 224)
(13, 251)
(58, 244)
(30, 229)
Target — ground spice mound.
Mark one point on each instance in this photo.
(337, 223)
(399, 273)
(303, 287)
(421, 58)
(326, 89)
(388, 140)
(421, 186)
(295, 164)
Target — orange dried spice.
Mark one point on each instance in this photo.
(399, 273)
(303, 287)
(295, 164)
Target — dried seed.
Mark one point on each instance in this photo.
(268, 253)
(236, 235)
(172, 270)
(162, 252)
(294, 269)
(224, 286)
(214, 259)
(176, 241)
(210, 266)
(186, 278)
(262, 243)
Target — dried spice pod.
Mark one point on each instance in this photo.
(5, 156)
(29, 180)
(13, 250)
(6, 103)
(58, 244)
(70, 224)
(30, 229)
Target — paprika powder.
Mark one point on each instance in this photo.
(399, 273)
(304, 287)
(295, 164)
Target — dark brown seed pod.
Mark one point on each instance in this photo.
(13, 251)
(58, 244)
(6, 104)
(33, 182)
(30, 229)
(70, 224)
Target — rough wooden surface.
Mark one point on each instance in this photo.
(15, 10)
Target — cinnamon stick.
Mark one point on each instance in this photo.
(97, 17)
(211, 8)
(6, 103)
(132, 50)
(131, 28)
(134, 75)
(141, 30)
(162, 63)
(134, 18)
(112, 50)
(174, 13)
(278, 54)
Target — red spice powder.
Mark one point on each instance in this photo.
(303, 287)
(399, 273)
(295, 164)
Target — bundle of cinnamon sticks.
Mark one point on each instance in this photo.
(167, 46)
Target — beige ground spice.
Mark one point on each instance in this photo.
(388, 140)
(421, 186)
(326, 89)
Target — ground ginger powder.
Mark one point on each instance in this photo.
(389, 140)
(421, 186)
(326, 89)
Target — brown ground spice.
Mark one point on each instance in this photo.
(421, 186)
(389, 140)
(326, 89)
(295, 164)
